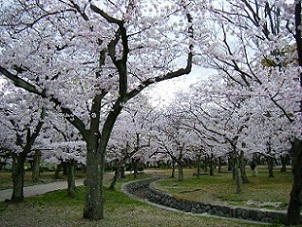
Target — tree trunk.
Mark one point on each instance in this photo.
(117, 174)
(18, 177)
(64, 166)
(71, 178)
(295, 203)
(198, 166)
(205, 163)
(36, 166)
(93, 197)
(58, 170)
(135, 168)
(284, 161)
(230, 163)
(95, 160)
(123, 171)
(270, 166)
(242, 164)
(211, 164)
(173, 169)
(115, 177)
(180, 172)
(237, 177)
(219, 164)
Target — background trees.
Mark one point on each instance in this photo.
(22, 118)
(264, 62)
(63, 145)
(171, 140)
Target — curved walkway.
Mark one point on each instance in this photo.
(38, 189)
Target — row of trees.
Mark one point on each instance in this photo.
(80, 65)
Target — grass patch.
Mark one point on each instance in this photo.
(55, 209)
(261, 192)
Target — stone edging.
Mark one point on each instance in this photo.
(146, 189)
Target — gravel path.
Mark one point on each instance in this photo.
(38, 189)
(43, 188)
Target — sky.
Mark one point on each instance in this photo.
(164, 92)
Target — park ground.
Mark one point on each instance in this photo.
(55, 209)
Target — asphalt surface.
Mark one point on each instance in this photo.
(38, 189)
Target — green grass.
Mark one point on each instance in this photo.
(55, 209)
(262, 191)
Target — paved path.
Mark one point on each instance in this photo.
(38, 189)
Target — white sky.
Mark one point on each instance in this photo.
(164, 92)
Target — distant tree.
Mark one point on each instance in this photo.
(172, 140)
(130, 137)
(64, 146)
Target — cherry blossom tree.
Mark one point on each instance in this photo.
(99, 53)
(130, 137)
(22, 118)
(219, 125)
(194, 107)
(63, 145)
(171, 140)
(255, 50)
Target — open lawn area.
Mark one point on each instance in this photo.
(261, 192)
(55, 209)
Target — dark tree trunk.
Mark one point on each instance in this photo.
(270, 166)
(180, 172)
(95, 159)
(230, 163)
(242, 164)
(135, 168)
(123, 171)
(117, 174)
(18, 177)
(58, 170)
(173, 169)
(237, 177)
(284, 161)
(71, 178)
(115, 178)
(198, 166)
(295, 203)
(211, 165)
(93, 198)
(219, 164)
(36, 166)
(206, 163)
(64, 166)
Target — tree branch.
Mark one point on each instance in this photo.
(19, 82)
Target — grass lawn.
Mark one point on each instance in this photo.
(261, 192)
(55, 209)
